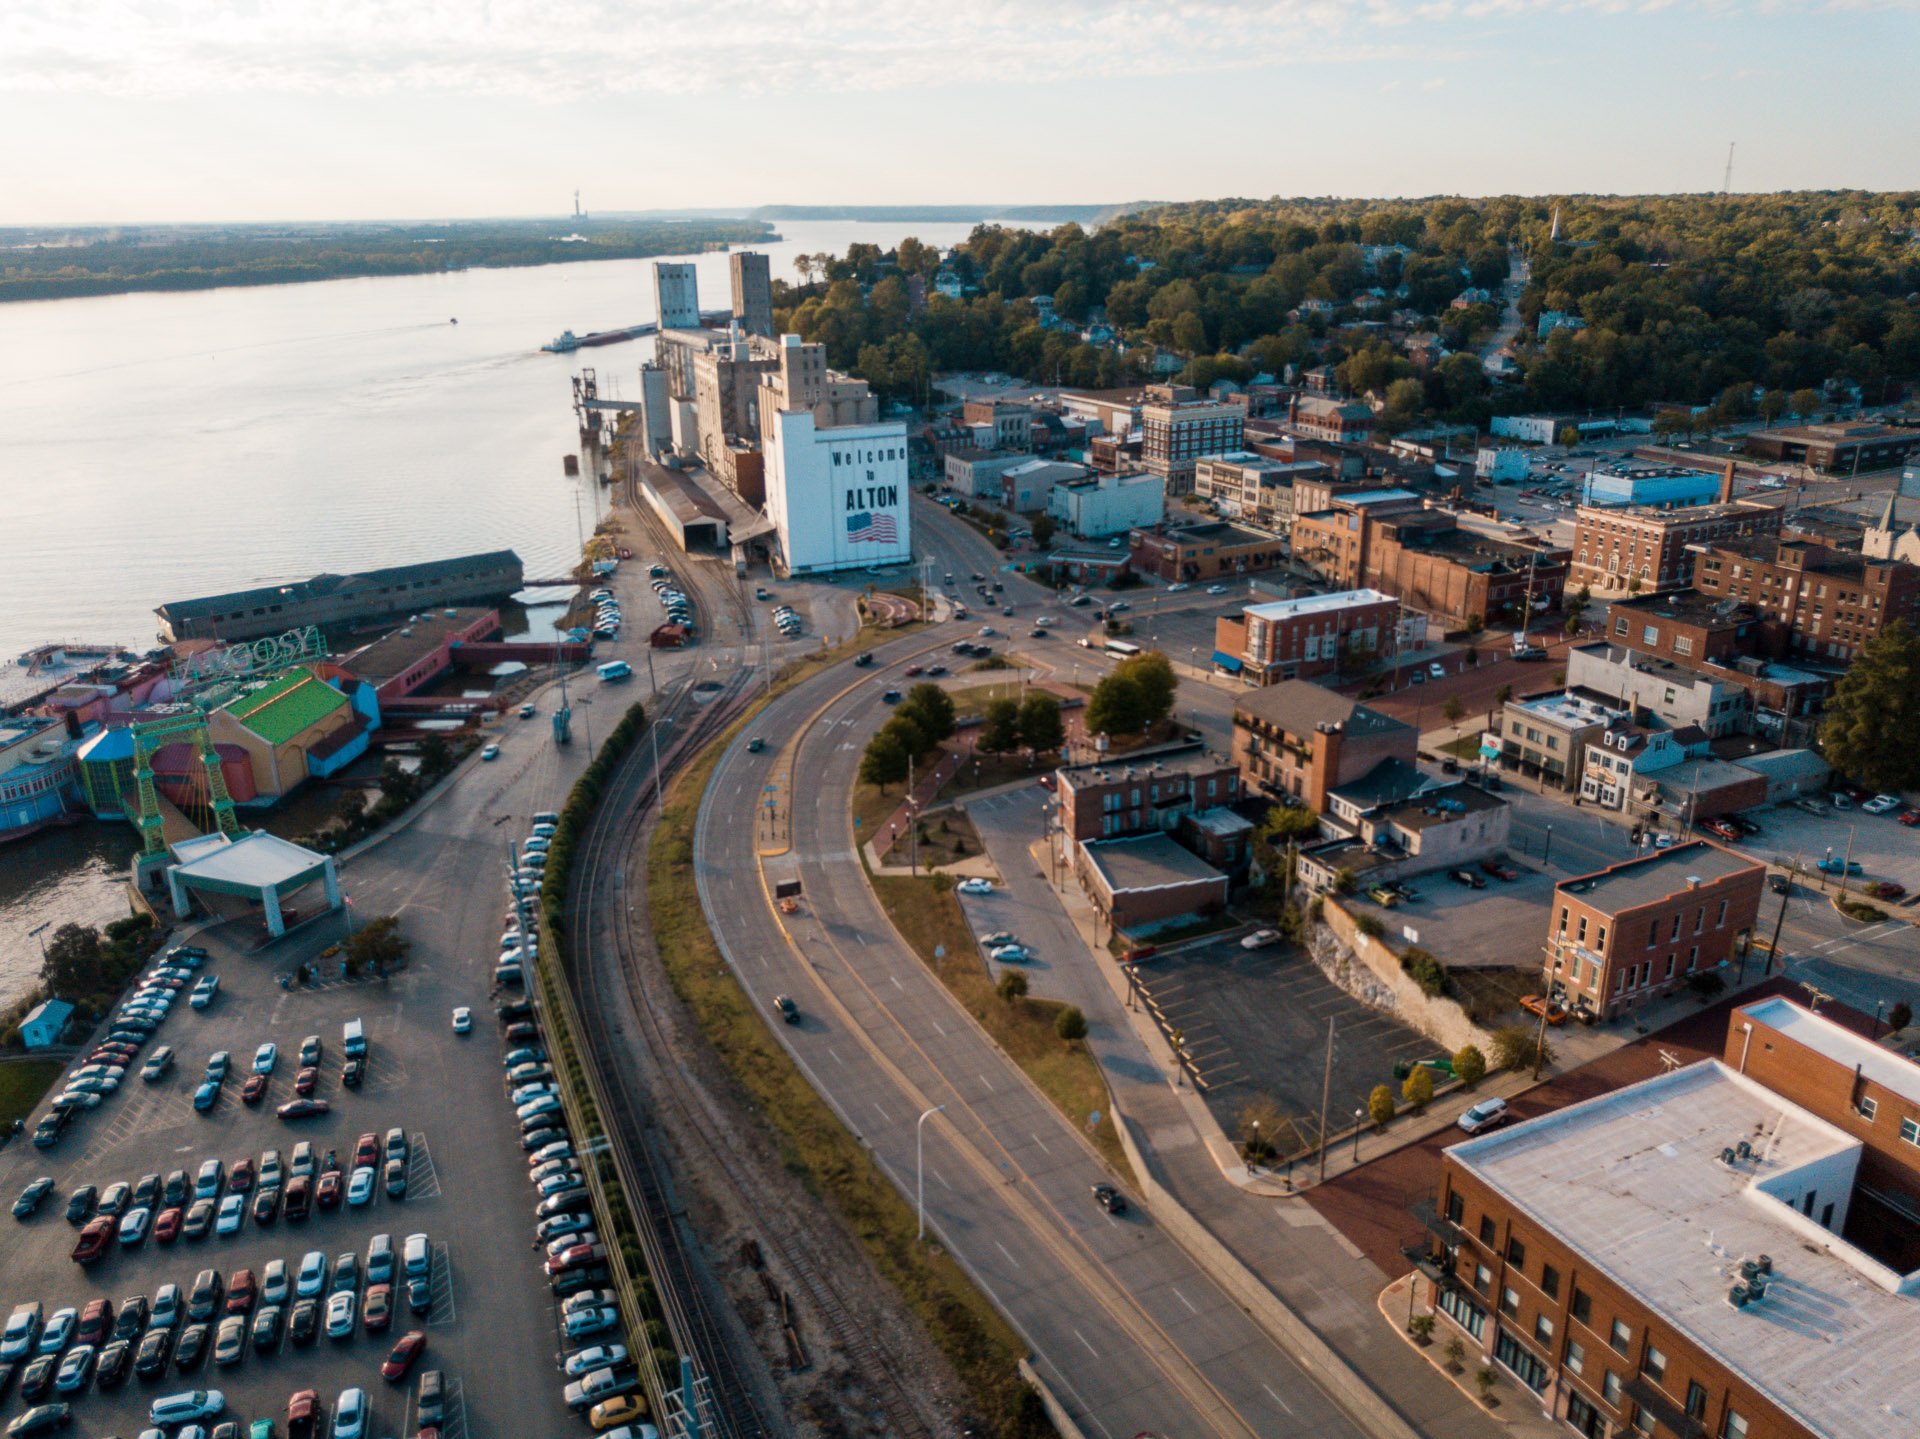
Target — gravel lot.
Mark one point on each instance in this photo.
(492, 1327)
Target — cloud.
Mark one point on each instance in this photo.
(565, 49)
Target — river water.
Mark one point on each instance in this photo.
(161, 446)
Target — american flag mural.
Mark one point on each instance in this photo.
(865, 527)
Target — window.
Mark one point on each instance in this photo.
(1510, 1302)
(1583, 1306)
(1867, 1107)
(1621, 1338)
(1486, 1230)
(1610, 1391)
(1516, 1253)
(1543, 1331)
(1654, 1365)
(1650, 635)
(1482, 1278)
(1910, 1131)
(1550, 1281)
(1723, 915)
(1527, 1369)
(1734, 1426)
(1696, 1398)
(1576, 1356)
(1456, 1207)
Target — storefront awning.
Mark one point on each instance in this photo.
(1230, 663)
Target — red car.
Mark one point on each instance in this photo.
(1909, 817)
(366, 1151)
(326, 1193)
(254, 1090)
(242, 1290)
(376, 1313)
(166, 1225)
(240, 1177)
(576, 1256)
(910, 671)
(410, 1347)
(95, 1320)
(304, 1082)
(303, 1413)
(94, 1239)
(1721, 828)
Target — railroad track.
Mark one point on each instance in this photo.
(623, 824)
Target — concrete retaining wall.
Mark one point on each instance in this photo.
(1439, 1018)
(1342, 1385)
(1062, 1420)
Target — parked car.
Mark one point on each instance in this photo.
(1487, 1114)
(1260, 939)
(1467, 877)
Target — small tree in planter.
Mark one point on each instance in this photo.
(1469, 1065)
(1484, 1382)
(1380, 1106)
(1418, 1088)
(1421, 1328)
(1456, 1352)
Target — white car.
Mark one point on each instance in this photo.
(360, 1185)
(601, 1356)
(133, 1226)
(1436, 669)
(1010, 954)
(463, 1020)
(1487, 1114)
(265, 1057)
(1260, 939)
(274, 1284)
(340, 1315)
(492, 751)
(312, 1277)
(1216, 589)
(232, 1210)
(1178, 585)
(1881, 803)
(350, 1415)
(976, 886)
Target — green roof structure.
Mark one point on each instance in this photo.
(281, 710)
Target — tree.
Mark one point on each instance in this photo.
(377, 945)
(1773, 404)
(1000, 728)
(1044, 529)
(1453, 709)
(1041, 728)
(1070, 1024)
(1806, 403)
(1417, 1088)
(1380, 1106)
(1513, 1046)
(436, 755)
(1572, 625)
(1875, 711)
(75, 966)
(931, 709)
(1900, 1016)
(1012, 986)
(1116, 706)
(885, 761)
(1567, 437)
(1153, 673)
(1405, 399)
(1469, 1065)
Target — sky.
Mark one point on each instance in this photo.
(245, 110)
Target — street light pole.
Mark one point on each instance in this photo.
(920, 1165)
(1359, 1118)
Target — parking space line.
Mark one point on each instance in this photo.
(423, 1179)
(444, 1309)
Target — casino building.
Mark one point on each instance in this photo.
(836, 473)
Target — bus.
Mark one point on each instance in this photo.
(1121, 648)
(613, 671)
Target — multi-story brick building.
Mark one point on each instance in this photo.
(1862, 445)
(1299, 740)
(1206, 552)
(1725, 1251)
(1545, 736)
(1812, 599)
(1150, 790)
(1297, 639)
(1011, 423)
(1321, 418)
(1685, 627)
(1641, 928)
(1177, 428)
(1246, 486)
(1459, 576)
(1630, 549)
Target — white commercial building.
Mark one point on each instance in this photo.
(1538, 429)
(1501, 466)
(676, 294)
(1102, 505)
(836, 474)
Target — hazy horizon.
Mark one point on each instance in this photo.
(187, 111)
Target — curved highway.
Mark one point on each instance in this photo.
(1129, 1331)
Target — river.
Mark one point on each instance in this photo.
(161, 446)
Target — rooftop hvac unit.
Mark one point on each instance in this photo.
(1745, 1149)
(1728, 1157)
(1739, 1296)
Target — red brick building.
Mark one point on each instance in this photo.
(1199, 553)
(1298, 639)
(1640, 929)
(1639, 549)
(1299, 740)
(1812, 599)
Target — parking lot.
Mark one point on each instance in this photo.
(490, 1325)
(1500, 926)
(1883, 848)
(1255, 1024)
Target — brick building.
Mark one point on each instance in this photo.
(1145, 881)
(1301, 741)
(1862, 445)
(1206, 552)
(1177, 428)
(1668, 1260)
(1638, 548)
(1459, 575)
(1011, 424)
(1150, 790)
(1641, 928)
(1812, 599)
(1321, 418)
(1297, 639)
(1686, 627)
(1251, 487)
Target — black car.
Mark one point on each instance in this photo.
(266, 1204)
(509, 1010)
(540, 1138)
(9, 1371)
(203, 1300)
(1109, 1199)
(199, 1220)
(353, 1072)
(146, 1191)
(266, 1329)
(31, 1197)
(419, 1295)
(174, 1192)
(36, 1380)
(131, 1321)
(1779, 884)
(566, 1201)
(574, 1280)
(303, 1321)
(116, 1359)
(1466, 877)
(193, 1347)
(41, 1420)
(151, 1360)
(80, 1204)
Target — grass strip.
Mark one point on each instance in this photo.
(812, 1142)
(22, 1084)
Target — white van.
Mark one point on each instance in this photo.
(187, 1406)
(353, 1038)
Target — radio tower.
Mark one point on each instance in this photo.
(576, 201)
(1726, 184)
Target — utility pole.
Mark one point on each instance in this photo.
(1779, 919)
(1546, 1004)
(913, 828)
(1326, 1095)
(1846, 862)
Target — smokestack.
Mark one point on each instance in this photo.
(1293, 407)
(1726, 484)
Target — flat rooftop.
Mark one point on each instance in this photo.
(1277, 610)
(1634, 1183)
(1571, 709)
(1184, 759)
(1144, 862)
(1652, 877)
(1692, 606)
(399, 650)
(1219, 532)
(1838, 1043)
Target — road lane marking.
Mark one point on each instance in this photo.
(883, 1113)
(1182, 1298)
(1003, 1249)
(988, 1082)
(1041, 1142)
(1090, 1349)
(1276, 1398)
(897, 984)
(836, 1056)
